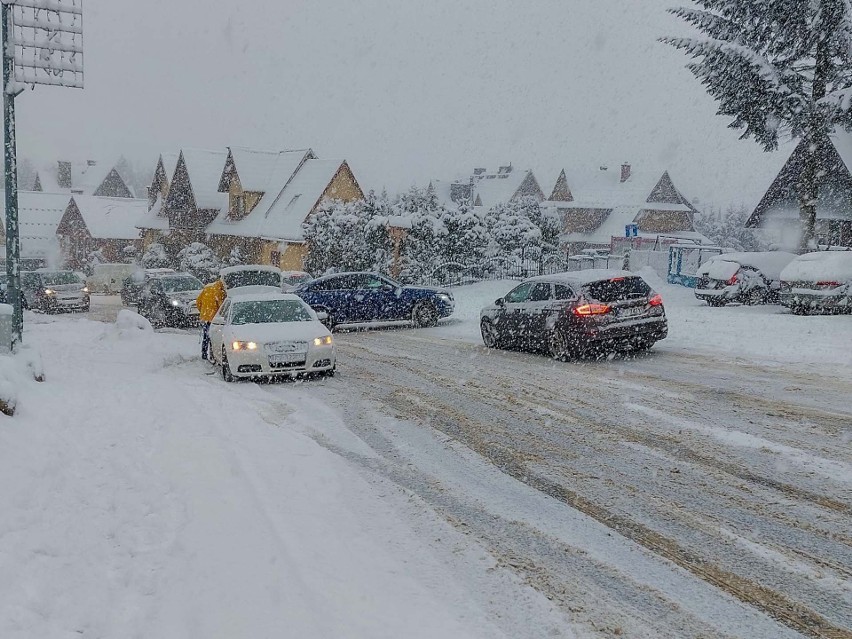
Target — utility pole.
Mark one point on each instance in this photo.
(42, 44)
(13, 241)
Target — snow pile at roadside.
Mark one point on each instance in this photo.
(130, 325)
(17, 372)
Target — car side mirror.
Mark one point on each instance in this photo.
(500, 301)
(322, 316)
(387, 288)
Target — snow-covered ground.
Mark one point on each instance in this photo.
(434, 488)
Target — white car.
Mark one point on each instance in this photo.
(748, 278)
(270, 335)
(819, 282)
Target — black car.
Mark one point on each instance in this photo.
(169, 300)
(131, 287)
(591, 312)
(352, 298)
(54, 291)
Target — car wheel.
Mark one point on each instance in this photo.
(424, 315)
(490, 335)
(330, 322)
(558, 345)
(716, 302)
(227, 375)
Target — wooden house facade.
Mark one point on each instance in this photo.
(93, 223)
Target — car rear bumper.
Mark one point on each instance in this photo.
(58, 304)
(711, 294)
(818, 300)
(628, 335)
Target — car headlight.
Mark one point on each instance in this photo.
(323, 341)
(85, 289)
(176, 303)
(244, 346)
(49, 291)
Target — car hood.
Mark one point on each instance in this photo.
(252, 290)
(184, 296)
(65, 288)
(267, 333)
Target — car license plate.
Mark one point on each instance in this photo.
(631, 312)
(287, 358)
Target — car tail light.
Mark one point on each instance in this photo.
(827, 285)
(585, 310)
(617, 279)
(656, 300)
(733, 280)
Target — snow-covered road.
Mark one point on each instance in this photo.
(435, 488)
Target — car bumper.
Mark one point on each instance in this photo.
(258, 363)
(818, 300)
(627, 335)
(58, 304)
(712, 294)
(181, 318)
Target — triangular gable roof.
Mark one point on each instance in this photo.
(494, 189)
(603, 189)
(835, 190)
(109, 218)
(204, 170)
(561, 192)
(260, 171)
(279, 215)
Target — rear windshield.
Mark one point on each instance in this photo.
(181, 284)
(252, 278)
(617, 289)
(270, 312)
(58, 279)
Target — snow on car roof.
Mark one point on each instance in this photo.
(580, 278)
(819, 266)
(268, 297)
(770, 263)
(242, 268)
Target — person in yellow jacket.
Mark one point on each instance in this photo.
(209, 302)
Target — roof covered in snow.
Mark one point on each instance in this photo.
(86, 177)
(262, 171)
(154, 218)
(489, 189)
(280, 213)
(112, 218)
(39, 215)
(204, 168)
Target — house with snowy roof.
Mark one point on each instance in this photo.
(106, 224)
(269, 196)
(597, 206)
(777, 213)
(486, 189)
(91, 177)
(154, 223)
(39, 215)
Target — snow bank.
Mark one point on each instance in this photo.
(17, 371)
(130, 325)
(818, 267)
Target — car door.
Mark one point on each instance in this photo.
(510, 319)
(377, 300)
(536, 312)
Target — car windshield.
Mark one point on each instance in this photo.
(60, 278)
(180, 284)
(618, 288)
(270, 312)
(252, 278)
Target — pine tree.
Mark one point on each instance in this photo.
(777, 67)
(421, 251)
(200, 260)
(155, 256)
(728, 229)
(514, 232)
(466, 238)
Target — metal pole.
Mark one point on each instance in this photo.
(13, 244)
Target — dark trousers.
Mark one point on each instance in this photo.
(205, 340)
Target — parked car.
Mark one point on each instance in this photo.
(818, 282)
(131, 288)
(108, 278)
(349, 298)
(747, 278)
(169, 300)
(270, 335)
(50, 291)
(291, 280)
(591, 312)
(251, 278)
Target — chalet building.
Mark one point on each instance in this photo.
(270, 194)
(39, 215)
(484, 189)
(92, 223)
(81, 178)
(777, 214)
(246, 198)
(597, 206)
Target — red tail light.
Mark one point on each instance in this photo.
(656, 300)
(591, 309)
(733, 280)
(828, 284)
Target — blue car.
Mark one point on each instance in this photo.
(354, 298)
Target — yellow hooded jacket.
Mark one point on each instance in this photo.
(209, 300)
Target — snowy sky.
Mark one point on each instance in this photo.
(406, 90)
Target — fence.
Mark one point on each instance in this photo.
(658, 261)
(509, 268)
